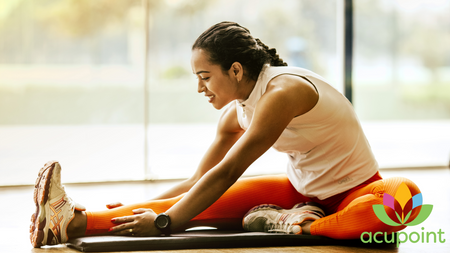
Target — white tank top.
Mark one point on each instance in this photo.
(327, 149)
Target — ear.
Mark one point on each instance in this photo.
(237, 71)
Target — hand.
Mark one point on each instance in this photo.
(113, 205)
(139, 224)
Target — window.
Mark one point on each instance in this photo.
(402, 79)
(72, 82)
(71, 89)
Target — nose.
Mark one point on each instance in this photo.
(200, 87)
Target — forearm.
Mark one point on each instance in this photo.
(212, 157)
(207, 190)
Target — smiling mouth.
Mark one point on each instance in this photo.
(210, 98)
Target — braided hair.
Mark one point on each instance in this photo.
(228, 42)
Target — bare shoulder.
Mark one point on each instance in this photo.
(291, 83)
(294, 90)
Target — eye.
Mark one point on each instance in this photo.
(205, 78)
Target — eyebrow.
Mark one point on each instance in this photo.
(203, 71)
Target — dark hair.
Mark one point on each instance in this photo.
(228, 42)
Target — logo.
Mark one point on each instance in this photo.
(403, 204)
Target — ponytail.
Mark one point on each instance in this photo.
(275, 59)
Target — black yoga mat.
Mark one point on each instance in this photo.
(204, 239)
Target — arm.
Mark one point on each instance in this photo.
(228, 132)
(286, 98)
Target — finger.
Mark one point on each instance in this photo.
(113, 205)
(143, 210)
(122, 230)
(124, 219)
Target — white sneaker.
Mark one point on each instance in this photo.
(54, 209)
(274, 219)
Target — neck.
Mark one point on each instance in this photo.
(247, 85)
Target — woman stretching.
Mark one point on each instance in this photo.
(330, 163)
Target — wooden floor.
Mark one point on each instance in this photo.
(307, 249)
(17, 207)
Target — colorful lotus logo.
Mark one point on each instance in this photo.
(403, 203)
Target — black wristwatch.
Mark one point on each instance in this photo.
(162, 222)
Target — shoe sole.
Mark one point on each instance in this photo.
(40, 197)
(298, 207)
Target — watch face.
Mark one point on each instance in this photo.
(162, 222)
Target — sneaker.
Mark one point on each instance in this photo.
(274, 219)
(54, 209)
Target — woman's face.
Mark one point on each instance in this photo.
(220, 88)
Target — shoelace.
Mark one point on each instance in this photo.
(279, 227)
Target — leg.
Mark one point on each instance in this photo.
(226, 212)
(77, 227)
(355, 214)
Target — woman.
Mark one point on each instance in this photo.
(270, 105)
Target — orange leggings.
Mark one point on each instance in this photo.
(349, 213)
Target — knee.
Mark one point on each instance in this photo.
(393, 184)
